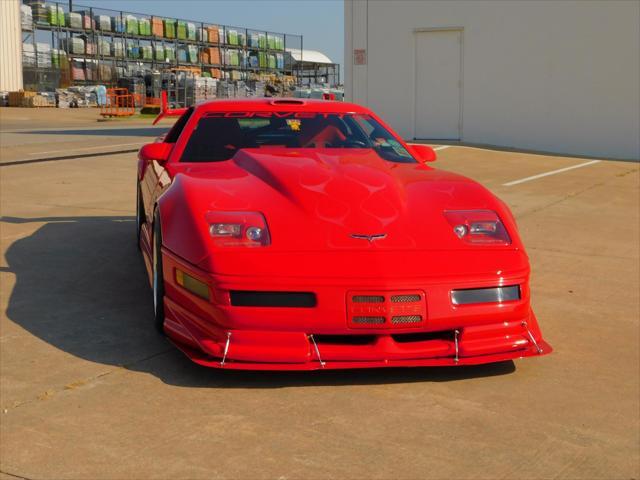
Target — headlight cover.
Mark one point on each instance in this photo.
(238, 229)
(478, 227)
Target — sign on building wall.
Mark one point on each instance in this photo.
(359, 56)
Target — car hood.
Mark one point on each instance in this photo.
(319, 199)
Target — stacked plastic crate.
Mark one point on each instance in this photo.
(73, 45)
(169, 53)
(157, 27)
(117, 24)
(26, 17)
(103, 47)
(191, 31)
(213, 34)
(28, 54)
(131, 25)
(103, 22)
(158, 52)
(74, 20)
(169, 28)
(117, 48)
(146, 52)
(181, 32)
(55, 16)
(144, 27)
(38, 11)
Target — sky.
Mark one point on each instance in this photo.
(320, 22)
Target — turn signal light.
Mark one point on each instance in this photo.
(478, 227)
(238, 229)
(192, 284)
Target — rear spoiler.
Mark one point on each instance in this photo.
(165, 111)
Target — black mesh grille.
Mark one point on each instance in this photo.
(372, 320)
(405, 298)
(368, 299)
(407, 319)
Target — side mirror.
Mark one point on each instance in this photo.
(423, 153)
(155, 151)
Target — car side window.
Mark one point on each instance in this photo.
(176, 130)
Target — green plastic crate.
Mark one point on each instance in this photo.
(234, 58)
(144, 26)
(169, 28)
(159, 53)
(182, 30)
(146, 52)
(58, 57)
(55, 15)
(262, 40)
(170, 54)
(132, 25)
(232, 37)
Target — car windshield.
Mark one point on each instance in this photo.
(219, 135)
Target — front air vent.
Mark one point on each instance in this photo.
(406, 319)
(368, 320)
(245, 298)
(368, 299)
(396, 309)
(405, 298)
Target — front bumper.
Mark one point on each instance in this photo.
(216, 334)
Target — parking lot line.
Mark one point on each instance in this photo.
(86, 148)
(546, 174)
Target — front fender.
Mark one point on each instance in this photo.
(183, 223)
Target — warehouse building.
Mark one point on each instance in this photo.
(560, 76)
(10, 46)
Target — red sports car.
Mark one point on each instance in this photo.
(288, 234)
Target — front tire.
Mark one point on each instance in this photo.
(158, 277)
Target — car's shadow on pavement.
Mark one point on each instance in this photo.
(81, 287)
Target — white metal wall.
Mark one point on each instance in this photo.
(10, 46)
(560, 76)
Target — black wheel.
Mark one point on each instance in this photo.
(158, 279)
(139, 214)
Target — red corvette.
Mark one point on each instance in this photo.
(295, 235)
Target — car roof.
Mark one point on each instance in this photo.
(279, 104)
